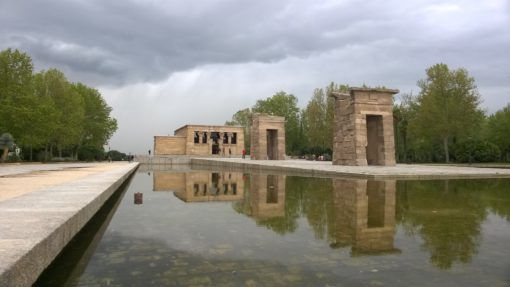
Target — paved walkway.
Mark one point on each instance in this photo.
(19, 179)
(400, 171)
(43, 206)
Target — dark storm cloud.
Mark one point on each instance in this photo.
(128, 41)
(115, 42)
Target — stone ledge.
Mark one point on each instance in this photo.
(36, 226)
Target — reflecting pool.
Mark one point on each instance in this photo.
(221, 228)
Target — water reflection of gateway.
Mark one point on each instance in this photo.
(267, 196)
(201, 186)
(365, 215)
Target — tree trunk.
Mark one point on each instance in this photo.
(5, 153)
(404, 146)
(30, 153)
(445, 146)
(76, 152)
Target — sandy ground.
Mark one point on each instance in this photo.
(16, 180)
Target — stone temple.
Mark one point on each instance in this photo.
(363, 128)
(202, 140)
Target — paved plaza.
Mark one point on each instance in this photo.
(19, 179)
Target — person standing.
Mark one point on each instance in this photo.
(244, 153)
(229, 152)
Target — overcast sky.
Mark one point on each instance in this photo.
(162, 64)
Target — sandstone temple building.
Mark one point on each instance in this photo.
(363, 128)
(201, 140)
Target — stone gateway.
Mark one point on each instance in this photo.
(363, 128)
(267, 137)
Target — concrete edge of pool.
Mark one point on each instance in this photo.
(324, 168)
(35, 227)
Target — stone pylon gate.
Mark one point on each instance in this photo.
(267, 137)
(363, 128)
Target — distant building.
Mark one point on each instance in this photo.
(202, 140)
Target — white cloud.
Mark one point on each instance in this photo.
(442, 8)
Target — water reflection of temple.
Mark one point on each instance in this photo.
(364, 215)
(201, 186)
(267, 196)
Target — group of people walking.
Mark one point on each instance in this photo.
(230, 152)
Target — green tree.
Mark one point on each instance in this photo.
(316, 120)
(403, 113)
(71, 109)
(98, 126)
(319, 117)
(46, 111)
(15, 74)
(16, 93)
(448, 106)
(499, 130)
(303, 132)
(284, 105)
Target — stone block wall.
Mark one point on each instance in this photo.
(356, 141)
(261, 124)
(169, 145)
(168, 181)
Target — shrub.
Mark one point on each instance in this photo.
(89, 153)
(476, 151)
(116, 155)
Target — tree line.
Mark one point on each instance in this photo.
(46, 115)
(443, 123)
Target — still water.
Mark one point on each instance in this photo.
(217, 228)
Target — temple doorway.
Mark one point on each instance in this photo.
(375, 140)
(272, 144)
(272, 189)
(376, 195)
(215, 137)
